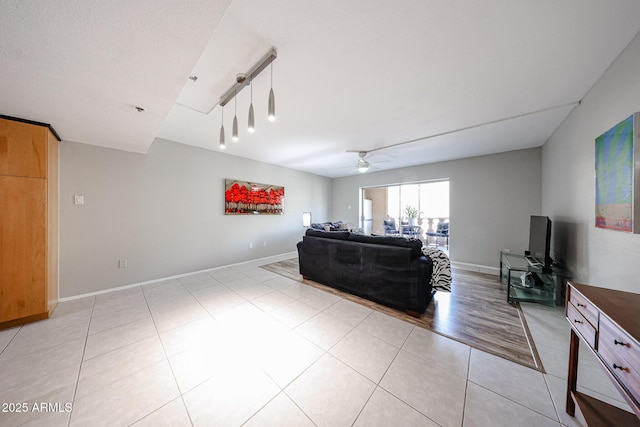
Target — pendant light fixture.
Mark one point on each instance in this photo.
(272, 100)
(251, 117)
(222, 144)
(234, 131)
(246, 79)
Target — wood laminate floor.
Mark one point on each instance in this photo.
(476, 313)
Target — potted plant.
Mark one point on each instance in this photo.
(412, 213)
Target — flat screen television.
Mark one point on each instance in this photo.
(540, 239)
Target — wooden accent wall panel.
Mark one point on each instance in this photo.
(28, 221)
(23, 149)
(23, 247)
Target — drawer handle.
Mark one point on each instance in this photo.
(619, 367)
(616, 342)
(582, 305)
(578, 321)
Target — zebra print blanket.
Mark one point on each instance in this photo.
(441, 277)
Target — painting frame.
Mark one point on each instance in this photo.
(617, 179)
(252, 198)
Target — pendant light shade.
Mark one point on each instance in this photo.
(234, 129)
(251, 116)
(272, 106)
(251, 119)
(272, 100)
(222, 144)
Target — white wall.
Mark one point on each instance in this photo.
(598, 257)
(164, 212)
(491, 200)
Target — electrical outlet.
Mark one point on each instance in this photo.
(78, 200)
(122, 263)
(264, 243)
(250, 245)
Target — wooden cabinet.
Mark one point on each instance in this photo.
(28, 221)
(607, 321)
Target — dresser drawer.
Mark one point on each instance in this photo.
(621, 353)
(622, 344)
(585, 328)
(584, 306)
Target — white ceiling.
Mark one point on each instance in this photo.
(486, 77)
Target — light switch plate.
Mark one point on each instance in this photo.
(78, 200)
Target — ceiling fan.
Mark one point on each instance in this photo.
(363, 165)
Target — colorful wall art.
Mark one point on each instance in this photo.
(250, 198)
(616, 180)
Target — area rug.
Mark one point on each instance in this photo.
(475, 313)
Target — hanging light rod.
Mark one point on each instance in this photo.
(243, 80)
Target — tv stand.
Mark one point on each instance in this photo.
(540, 284)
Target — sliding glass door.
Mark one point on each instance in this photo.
(413, 209)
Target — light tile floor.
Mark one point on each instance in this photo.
(244, 346)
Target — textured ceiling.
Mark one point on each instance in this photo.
(487, 77)
(82, 65)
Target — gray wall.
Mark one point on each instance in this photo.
(599, 257)
(164, 212)
(491, 199)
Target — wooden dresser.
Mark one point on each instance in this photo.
(28, 221)
(608, 321)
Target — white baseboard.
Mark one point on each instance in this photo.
(257, 262)
(487, 269)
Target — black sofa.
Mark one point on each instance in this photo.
(387, 270)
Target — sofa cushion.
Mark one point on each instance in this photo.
(330, 226)
(414, 244)
(339, 235)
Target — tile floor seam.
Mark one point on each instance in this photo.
(410, 405)
(385, 374)
(199, 303)
(12, 338)
(166, 404)
(359, 322)
(403, 342)
(298, 406)
(517, 403)
(466, 388)
(184, 404)
(305, 369)
(262, 407)
(371, 335)
(164, 350)
(116, 326)
(349, 367)
(365, 405)
(553, 402)
(84, 349)
(166, 357)
(581, 386)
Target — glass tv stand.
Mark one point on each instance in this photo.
(528, 281)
